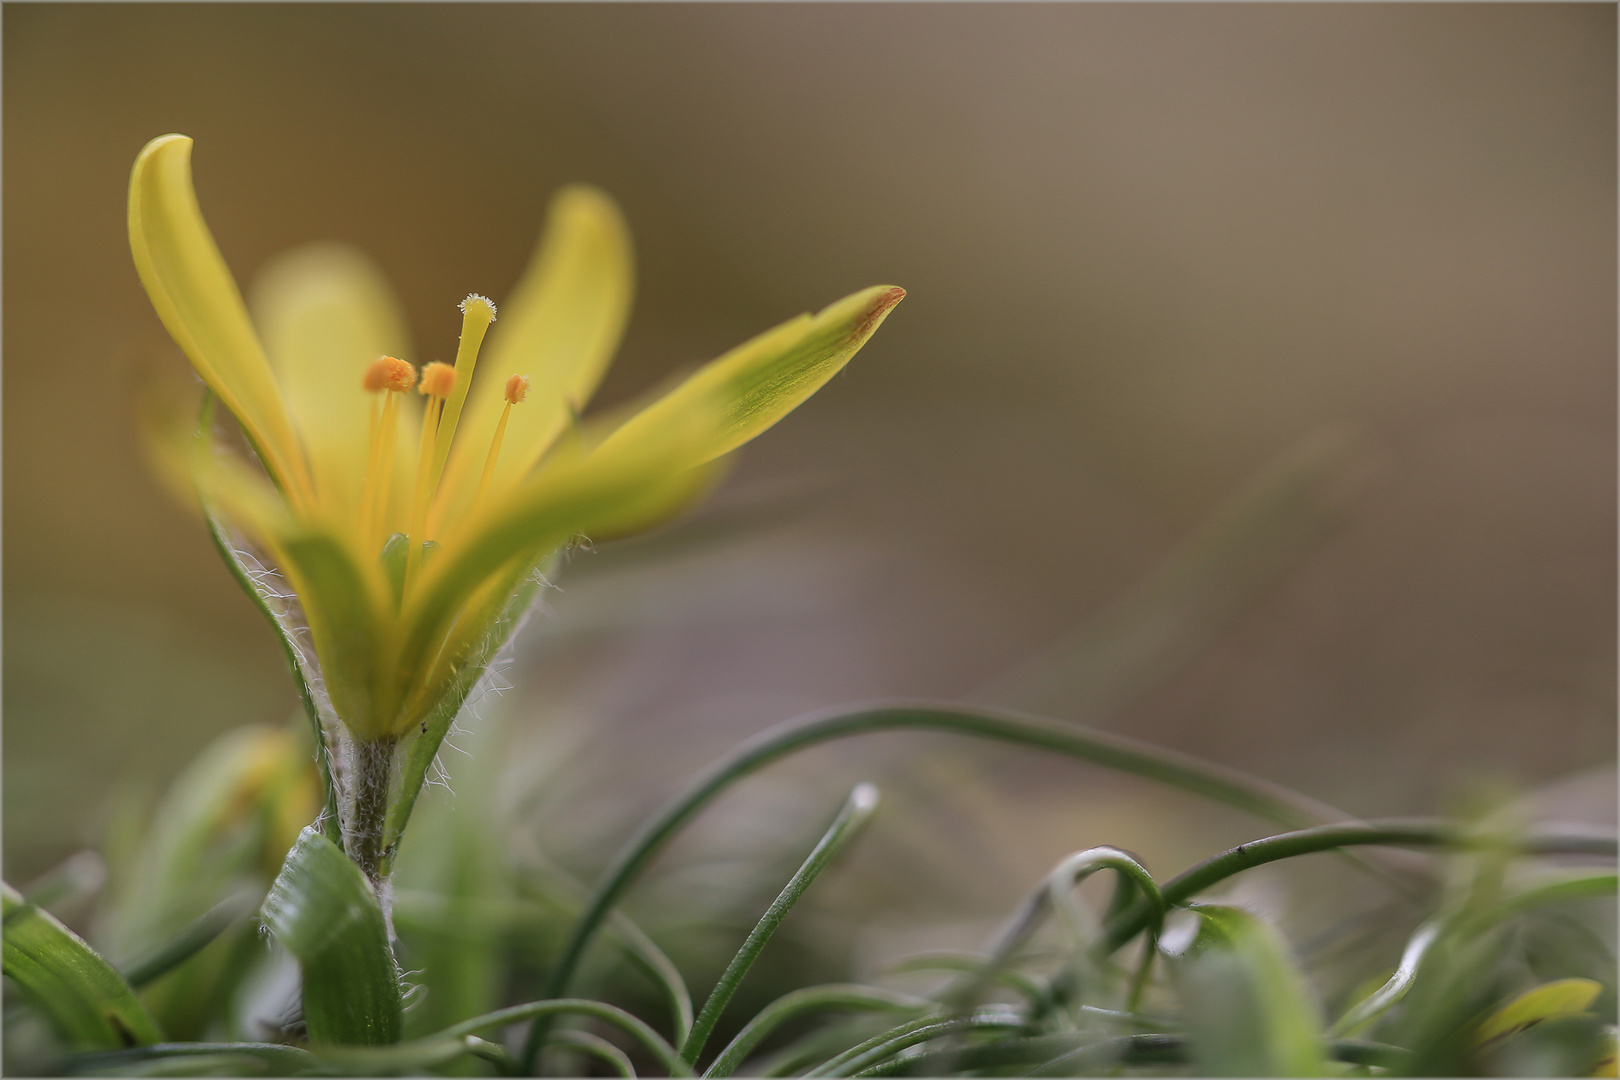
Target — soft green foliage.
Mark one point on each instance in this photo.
(88, 1002)
(1061, 990)
(322, 911)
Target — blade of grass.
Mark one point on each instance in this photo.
(287, 1060)
(449, 1043)
(1391, 832)
(1379, 1001)
(852, 1061)
(856, 811)
(597, 1047)
(1050, 895)
(799, 1002)
(192, 940)
(1260, 797)
(87, 1002)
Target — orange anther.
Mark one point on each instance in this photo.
(437, 380)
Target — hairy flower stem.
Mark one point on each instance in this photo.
(363, 838)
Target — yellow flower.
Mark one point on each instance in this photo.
(411, 533)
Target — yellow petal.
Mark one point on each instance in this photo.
(559, 327)
(325, 312)
(566, 495)
(197, 299)
(1549, 1001)
(762, 380)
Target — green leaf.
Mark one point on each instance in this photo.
(856, 811)
(323, 911)
(1248, 1009)
(88, 1003)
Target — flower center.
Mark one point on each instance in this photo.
(392, 378)
(445, 388)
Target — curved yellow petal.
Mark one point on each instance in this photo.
(197, 299)
(569, 493)
(325, 312)
(762, 380)
(560, 327)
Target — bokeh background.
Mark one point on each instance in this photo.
(1151, 252)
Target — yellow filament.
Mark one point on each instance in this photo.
(424, 470)
(379, 473)
(489, 462)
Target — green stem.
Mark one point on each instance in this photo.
(1394, 832)
(1263, 798)
(373, 774)
(857, 809)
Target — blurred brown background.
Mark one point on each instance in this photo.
(1148, 249)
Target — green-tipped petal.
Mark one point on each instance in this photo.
(346, 620)
(197, 299)
(559, 327)
(762, 380)
(565, 497)
(325, 313)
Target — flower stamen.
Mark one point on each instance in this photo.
(438, 383)
(391, 377)
(517, 388)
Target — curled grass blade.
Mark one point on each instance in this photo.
(1260, 797)
(857, 810)
(631, 1025)
(1390, 832)
(799, 1002)
(597, 1047)
(1054, 894)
